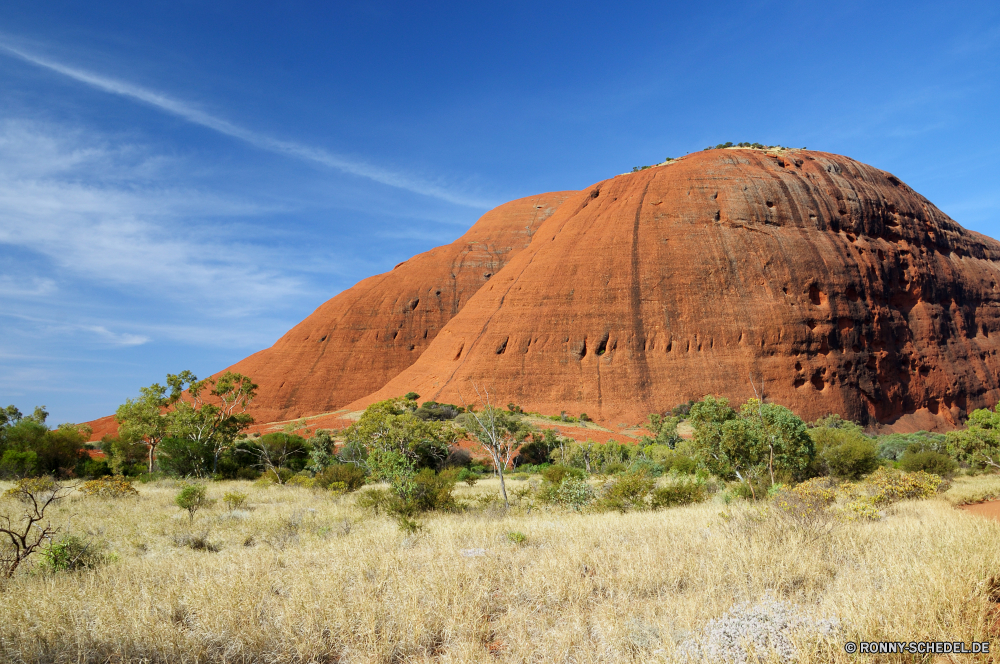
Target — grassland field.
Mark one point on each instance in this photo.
(299, 575)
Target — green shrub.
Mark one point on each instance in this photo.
(928, 461)
(235, 500)
(556, 474)
(574, 492)
(18, 464)
(279, 476)
(433, 491)
(685, 492)
(517, 537)
(377, 500)
(614, 468)
(71, 553)
(754, 489)
(852, 459)
(93, 468)
(468, 476)
(352, 476)
(627, 491)
(192, 498)
(428, 491)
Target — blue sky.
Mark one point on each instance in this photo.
(182, 182)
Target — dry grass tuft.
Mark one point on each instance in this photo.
(300, 576)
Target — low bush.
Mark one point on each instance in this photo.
(626, 492)
(852, 459)
(70, 553)
(26, 488)
(807, 501)
(928, 461)
(556, 474)
(109, 487)
(884, 487)
(235, 500)
(350, 475)
(276, 476)
(675, 494)
(433, 491)
(192, 498)
(517, 537)
(196, 542)
(468, 476)
(574, 492)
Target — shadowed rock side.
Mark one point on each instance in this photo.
(354, 343)
(834, 283)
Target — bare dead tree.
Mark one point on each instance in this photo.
(24, 536)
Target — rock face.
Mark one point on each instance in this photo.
(354, 343)
(830, 282)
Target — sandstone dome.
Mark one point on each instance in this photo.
(355, 342)
(832, 282)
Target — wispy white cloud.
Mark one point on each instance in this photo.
(100, 332)
(63, 197)
(30, 287)
(195, 115)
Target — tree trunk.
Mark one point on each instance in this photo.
(503, 485)
(151, 448)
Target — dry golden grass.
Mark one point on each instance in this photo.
(344, 586)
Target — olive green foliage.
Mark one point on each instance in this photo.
(192, 498)
(469, 476)
(516, 537)
(322, 450)
(428, 491)
(192, 422)
(666, 459)
(594, 457)
(979, 443)
(235, 500)
(557, 473)
(929, 462)
(675, 494)
(664, 430)
(537, 448)
(71, 553)
(628, 491)
(126, 456)
(397, 443)
(438, 412)
(842, 449)
(730, 144)
(760, 442)
(352, 476)
(894, 446)
(29, 448)
(499, 433)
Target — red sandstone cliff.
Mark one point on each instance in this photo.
(354, 343)
(832, 281)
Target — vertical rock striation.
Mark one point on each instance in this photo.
(354, 343)
(830, 281)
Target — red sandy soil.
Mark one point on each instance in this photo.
(989, 509)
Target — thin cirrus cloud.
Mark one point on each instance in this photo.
(76, 202)
(262, 141)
